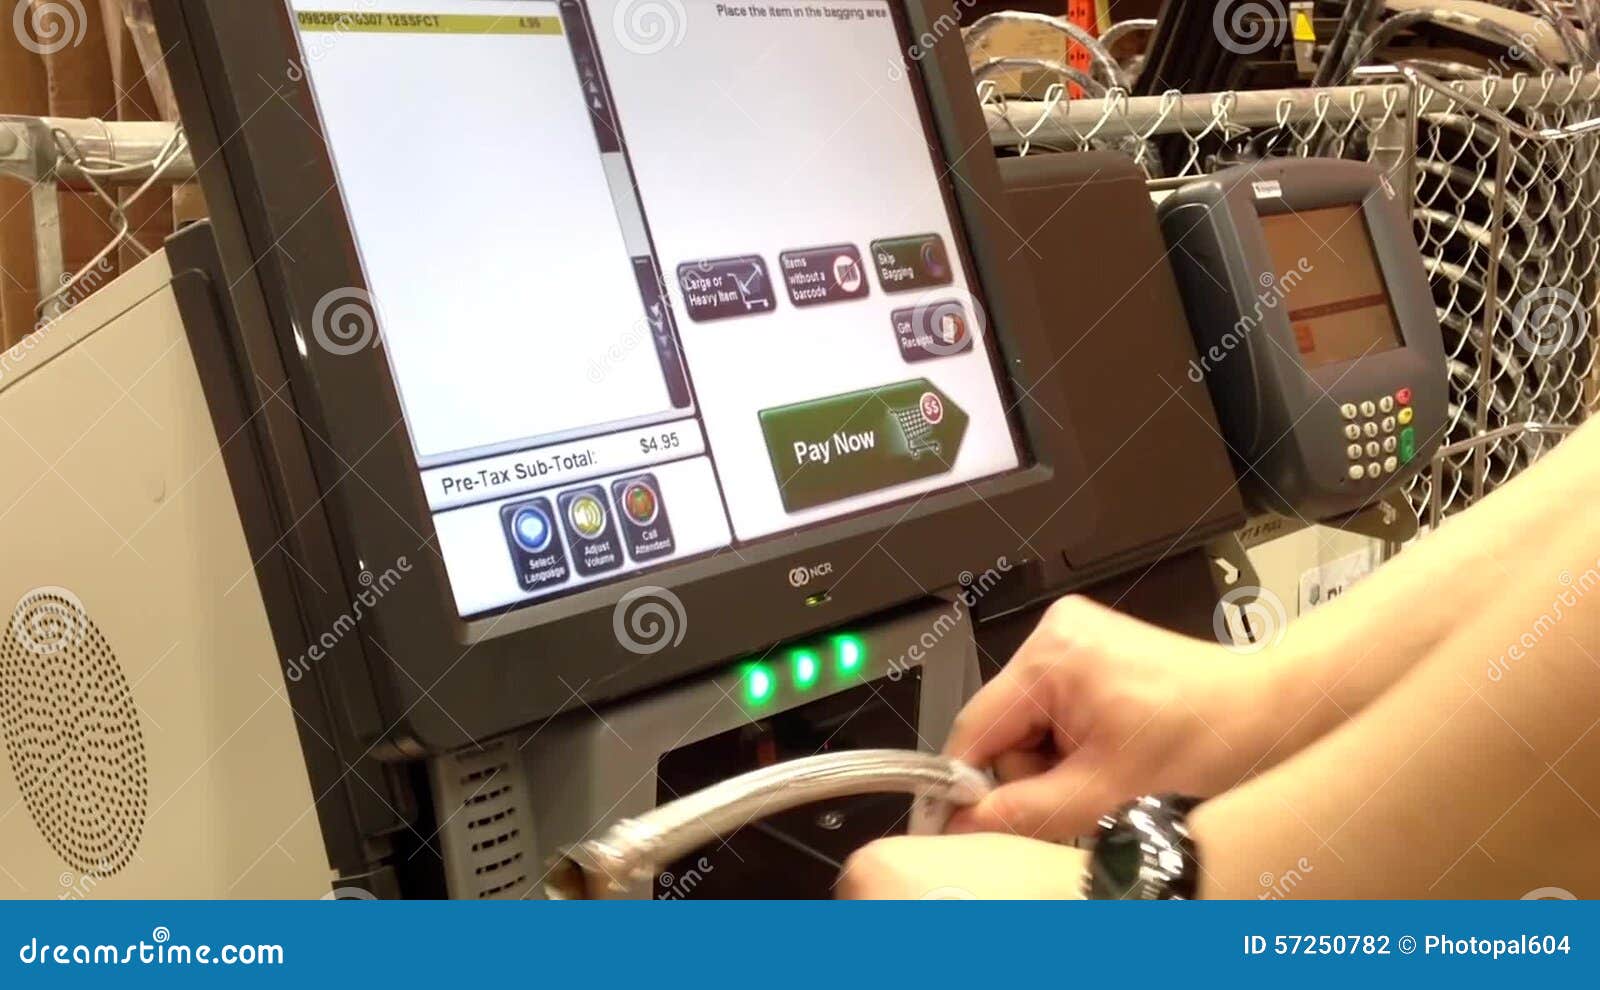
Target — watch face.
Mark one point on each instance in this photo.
(1114, 867)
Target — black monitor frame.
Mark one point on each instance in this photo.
(440, 681)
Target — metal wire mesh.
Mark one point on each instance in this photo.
(1506, 221)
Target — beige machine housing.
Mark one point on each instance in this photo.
(151, 750)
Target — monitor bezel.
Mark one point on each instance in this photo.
(445, 681)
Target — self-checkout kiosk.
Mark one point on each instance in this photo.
(563, 413)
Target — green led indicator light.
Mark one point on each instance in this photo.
(850, 653)
(806, 668)
(758, 684)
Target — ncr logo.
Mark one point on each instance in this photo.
(801, 576)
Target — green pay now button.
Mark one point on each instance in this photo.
(829, 449)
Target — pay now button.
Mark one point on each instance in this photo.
(828, 449)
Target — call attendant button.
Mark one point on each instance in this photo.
(536, 551)
(595, 547)
(646, 530)
(829, 449)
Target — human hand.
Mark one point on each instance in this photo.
(1097, 708)
(963, 867)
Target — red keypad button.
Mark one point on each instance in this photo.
(1403, 397)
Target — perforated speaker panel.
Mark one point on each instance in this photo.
(72, 733)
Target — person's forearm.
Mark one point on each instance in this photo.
(1337, 659)
(1478, 774)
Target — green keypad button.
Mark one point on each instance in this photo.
(1408, 444)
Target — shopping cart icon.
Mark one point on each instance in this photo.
(916, 430)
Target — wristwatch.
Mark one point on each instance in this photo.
(1144, 852)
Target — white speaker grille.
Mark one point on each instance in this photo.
(72, 733)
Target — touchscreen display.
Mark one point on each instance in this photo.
(654, 279)
(1340, 309)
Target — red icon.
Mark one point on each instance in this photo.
(932, 409)
(639, 501)
(1403, 397)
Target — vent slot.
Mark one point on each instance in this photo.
(485, 834)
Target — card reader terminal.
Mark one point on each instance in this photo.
(1315, 327)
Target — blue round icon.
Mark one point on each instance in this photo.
(531, 527)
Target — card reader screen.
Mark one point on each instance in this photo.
(654, 279)
(1340, 309)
